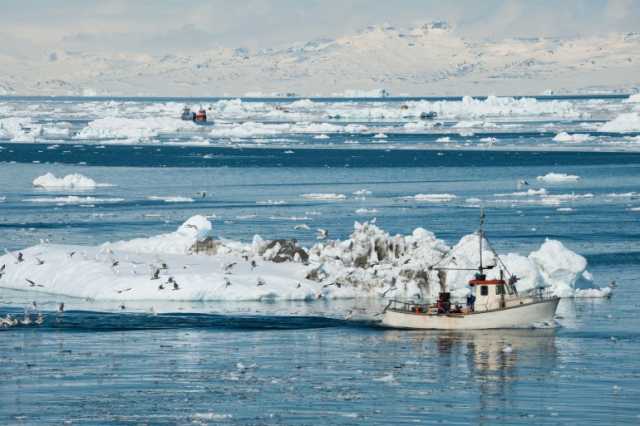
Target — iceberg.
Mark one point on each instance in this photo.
(190, 264)
(558, 178)
(71, 181)
(575, 138)
(623, 123)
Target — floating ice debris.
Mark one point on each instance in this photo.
(170, 199)
(323, 196)
(132, 128)
(366, 211)
(431, 198)
(576, 138)
(379, 136)
(73, 199)
(528, 193)
(627, 122)
(271, 202)
(389, 378)
(321, 136)
(444, 139)
(558, 177)
(633, 98)
(71, 181)
(564, 209)
(507, 349)
(593, 293)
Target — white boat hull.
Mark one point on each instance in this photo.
(518, 316)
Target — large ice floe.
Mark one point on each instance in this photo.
(190, 264)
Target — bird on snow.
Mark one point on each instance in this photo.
(39, 261)
(156, 274)
(20, 257)
(260, 282)
(322, 234)
(33, 284)
(72, 253)
(161, 286)
(176, 286)
(2, 268)
(253, 264)
(227, 282)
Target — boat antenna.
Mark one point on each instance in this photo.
(481, 237)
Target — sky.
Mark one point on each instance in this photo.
(38, 27)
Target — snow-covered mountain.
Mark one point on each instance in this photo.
(431, 59)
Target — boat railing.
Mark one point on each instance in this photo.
(542, 293)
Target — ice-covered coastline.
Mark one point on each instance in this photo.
(190, 265)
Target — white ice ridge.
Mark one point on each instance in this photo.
(132, 128)
(189, 264)
(558, 177)
(431, 198)
(627, 122)
(576, 137)
(71, 181)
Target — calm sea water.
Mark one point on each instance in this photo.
(302, 363)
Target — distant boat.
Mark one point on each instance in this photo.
(199, 117)
(428, 115)
(493, 303)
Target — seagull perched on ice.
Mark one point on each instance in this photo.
(260, 282)
(253, 264)
(20, 257)
(299, 285)
(322, 234)
(61, 307)
(228, 267)
(72, 253)
(161, 286)
(156, 274)
(2, 268)
(39, 261)
(227, 282)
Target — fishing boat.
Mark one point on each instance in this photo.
(492, 303)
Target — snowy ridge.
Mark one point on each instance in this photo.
(415, 60)
(189, 264)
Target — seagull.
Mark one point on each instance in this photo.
(299, 285)
(333, 283)
(176, 286)
(164, 266)
(2, 268)
(20, 257)
(115, 263)
(253, 264)
(612, 284)
(227, 282)
(322, 234)
(228, 267)
(61, 307)
(39, 319)
(161, 287)
(156, 274)
(507, 349)
(31, 283)
(124, 290)
(72, 253)
(39, 261)
(122, 307)
(260, 282)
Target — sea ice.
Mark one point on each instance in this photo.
(71, 181)
(558, 177)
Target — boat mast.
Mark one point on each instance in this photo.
(481, 235)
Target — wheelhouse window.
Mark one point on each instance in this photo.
(499, 289)
(484, 290)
